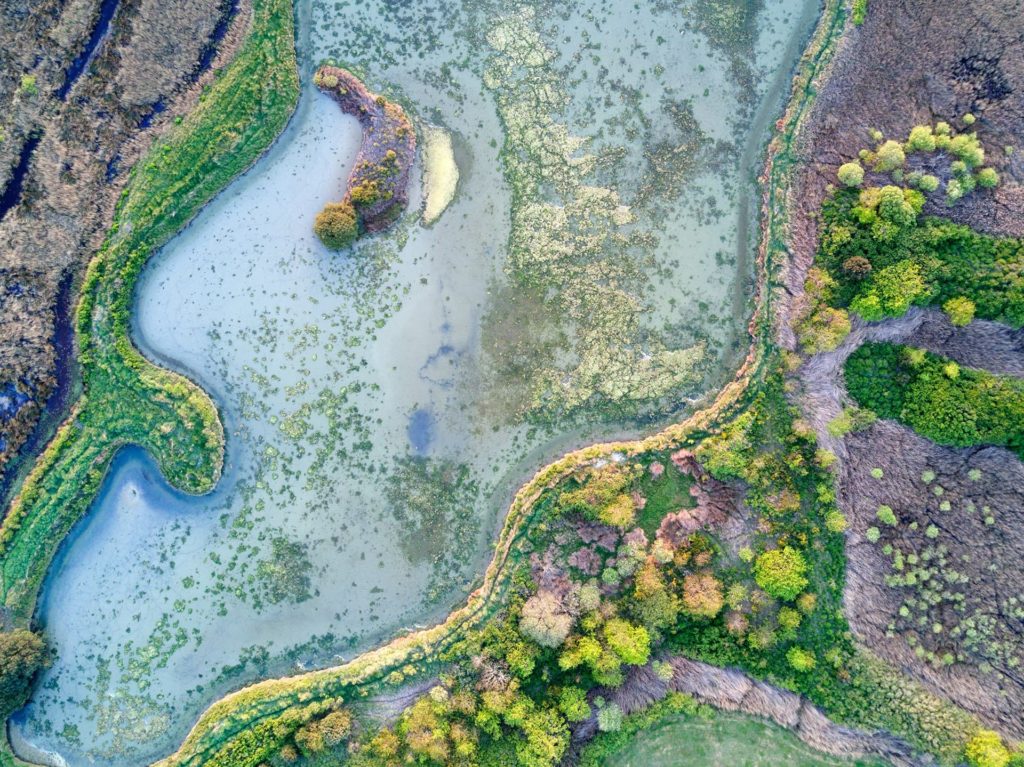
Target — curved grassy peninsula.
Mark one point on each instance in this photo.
(126, 399)
(377, 188)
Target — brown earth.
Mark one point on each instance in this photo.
(148, 67)
(916, 62)
(987, 554)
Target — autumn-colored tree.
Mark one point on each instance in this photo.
(545, 620)
(702, 594)
(336, 225)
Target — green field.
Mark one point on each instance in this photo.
(726, 740)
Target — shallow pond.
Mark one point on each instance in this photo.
(724, 739)
(382, 405)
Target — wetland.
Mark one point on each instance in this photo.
(589, 278)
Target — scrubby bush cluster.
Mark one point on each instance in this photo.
(879, 255)
(336, 225)
(22, 655)
(936, 397)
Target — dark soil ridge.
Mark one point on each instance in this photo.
(386, 153)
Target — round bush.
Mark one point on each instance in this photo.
(336, 225)
(781, 572)
(851, 174)
(986, 749)
(960, 310)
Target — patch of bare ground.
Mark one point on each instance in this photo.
(940, 594)
(138, 64)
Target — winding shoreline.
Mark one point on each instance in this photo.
(232, 722)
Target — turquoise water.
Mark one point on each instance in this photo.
(373, 435)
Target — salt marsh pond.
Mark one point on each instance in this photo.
(590, 278)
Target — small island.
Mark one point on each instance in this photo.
(377, 188)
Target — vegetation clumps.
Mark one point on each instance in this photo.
(781, 572)
(377, 189)
(940, 400)
(22, 655)
(337, 225)
(879, 254)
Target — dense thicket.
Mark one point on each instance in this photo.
(883, 258)
(936, 397)
(22, 654)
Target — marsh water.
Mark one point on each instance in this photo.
(383, 404)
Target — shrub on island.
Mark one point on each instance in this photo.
(336, 225)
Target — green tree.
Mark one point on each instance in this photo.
(22, 654)
(781, 572)
(889, 156)
(960, 310)
(987, 178)
(851, 174)
(572, 702)
(886, 515)
(609, 718)
(632, 644)
(800, 659)
(897, 287)
(921, 139)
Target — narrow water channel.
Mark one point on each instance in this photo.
(379, 405)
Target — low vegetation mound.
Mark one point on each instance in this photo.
(936, 397)
(377, 188)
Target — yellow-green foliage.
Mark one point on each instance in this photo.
(603, 495)
(986, 749)
(851, 173)
(860, 11)
(781, 572)
(336, 225)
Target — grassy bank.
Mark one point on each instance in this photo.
(126, 399)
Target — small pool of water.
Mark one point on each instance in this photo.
(371, 444)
